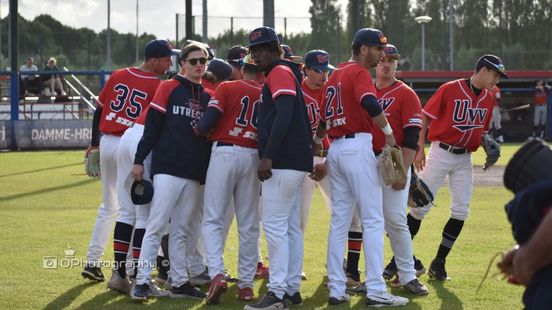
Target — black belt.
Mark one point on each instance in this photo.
(224, 144)
(452, 149)
(349, 136)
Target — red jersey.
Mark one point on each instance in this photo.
(402, 109)
(341, 107)
(209, 86)
(458, 116)
(127, 93)
(238, 102)
(495, 94)
(312, 100)
(541, 97)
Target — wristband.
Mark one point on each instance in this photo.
(317, 139)
(387, 130)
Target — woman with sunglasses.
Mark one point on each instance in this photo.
(179, 167)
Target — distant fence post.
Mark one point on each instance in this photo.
(14, 106)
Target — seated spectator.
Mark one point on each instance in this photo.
(52, 81)
(30, 81)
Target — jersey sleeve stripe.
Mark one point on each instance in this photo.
(216, 107)
(430, 115)
(282, 92)
(100, 104)
(158, 107)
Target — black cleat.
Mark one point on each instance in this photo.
(294, 299)
(270, 302)
(420, 269)
(390, 270)
(341, 300)
(437, 270)
(93, 273)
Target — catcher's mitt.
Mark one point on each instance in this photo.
(492, 149)
(92, 162)
(391, 167)
(419, 194)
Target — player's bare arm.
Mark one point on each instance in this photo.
(419, 161)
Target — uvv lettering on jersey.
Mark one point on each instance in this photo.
(466, 118)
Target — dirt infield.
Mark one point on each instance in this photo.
(491, 177)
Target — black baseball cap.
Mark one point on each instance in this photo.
(370, 36)
(491, 62)
(236, 52)
(220, 68)
(288, 52)
(262, 35)
(318, 60)
(141, 192)
(158, 48)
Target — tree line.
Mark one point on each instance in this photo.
(516, 30)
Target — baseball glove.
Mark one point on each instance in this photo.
(391, 167)
(92, 162)
(492, 149)
(419, 194)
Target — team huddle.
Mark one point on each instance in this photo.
(250, 138)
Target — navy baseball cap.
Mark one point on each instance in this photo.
(318, 60)
(370, 36)
(492, 62)
(391, 50)
(158, 48)
(288, 52)
(141, 192)
(220, 68)
(236, 52)
(262, 35)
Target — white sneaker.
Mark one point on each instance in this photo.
(385, 299)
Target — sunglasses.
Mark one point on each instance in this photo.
(194, 61)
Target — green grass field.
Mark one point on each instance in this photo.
(47, 204)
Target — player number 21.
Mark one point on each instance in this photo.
(331, 93)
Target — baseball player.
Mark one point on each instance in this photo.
(179, 166)
(217, 72)
(349, 108)
(234, 58)
(285, 151)
(403, 110)
(495, 120)
(232, 173)
(316, 74)
(457, 116)
(125, 96)
(539, 116)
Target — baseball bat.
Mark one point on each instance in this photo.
(521, 107)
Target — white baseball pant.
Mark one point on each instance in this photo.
(232, 173)
(539, 117)
(281, 216)
(495, 121)
(396, 226)
(176, 199)
(308, 189)
(107, 213)
(458, 167)
(354, 181)
(129, 213)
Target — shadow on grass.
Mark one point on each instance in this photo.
(39, 170)
(319, 299)
(46, 190)
(449, 300)
(65, 299)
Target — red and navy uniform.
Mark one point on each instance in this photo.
(176, 108)
(313, 100)
(495, 94)
(458, 116)
(237, 102)
(289, 148)
(341, 107)
(127, 93)
(402, 109)
(541, 96)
